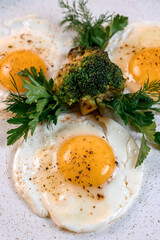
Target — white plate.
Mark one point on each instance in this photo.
(17, 221)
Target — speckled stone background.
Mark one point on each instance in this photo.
(17, 221)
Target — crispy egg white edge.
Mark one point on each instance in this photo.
(39, 209)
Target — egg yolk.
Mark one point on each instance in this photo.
(145, 64)
(86, 160)
(16, 61)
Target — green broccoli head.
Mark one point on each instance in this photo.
(89, 73)
(97, 74)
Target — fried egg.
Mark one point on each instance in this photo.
(80, 172)
(30, 42)
(136, 50)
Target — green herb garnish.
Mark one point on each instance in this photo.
(136, 109)
(90, 30)
(38, 104)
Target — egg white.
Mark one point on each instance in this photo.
(70, 206)
(39, 36)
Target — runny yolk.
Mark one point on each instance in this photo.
(145, 64)
(86, 160)
(16, 61)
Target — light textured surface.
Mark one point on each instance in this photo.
(17, 221)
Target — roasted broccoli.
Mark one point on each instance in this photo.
(89, 75)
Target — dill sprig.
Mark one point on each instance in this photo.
(90, 30)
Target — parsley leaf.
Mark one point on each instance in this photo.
(144, 150)
(117, 23)
(149, 131)
(38, 104)
(90, 30)
(15, 134)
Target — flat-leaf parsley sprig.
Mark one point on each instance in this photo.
(90, 30)
(38, 104)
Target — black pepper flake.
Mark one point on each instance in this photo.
(89, 168)
(46, 168)
(90, 152)
(30, 178)
(77, 177)
(69, 179)
(99, 196)
(116, 163)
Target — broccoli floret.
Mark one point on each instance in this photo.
(89, 73)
